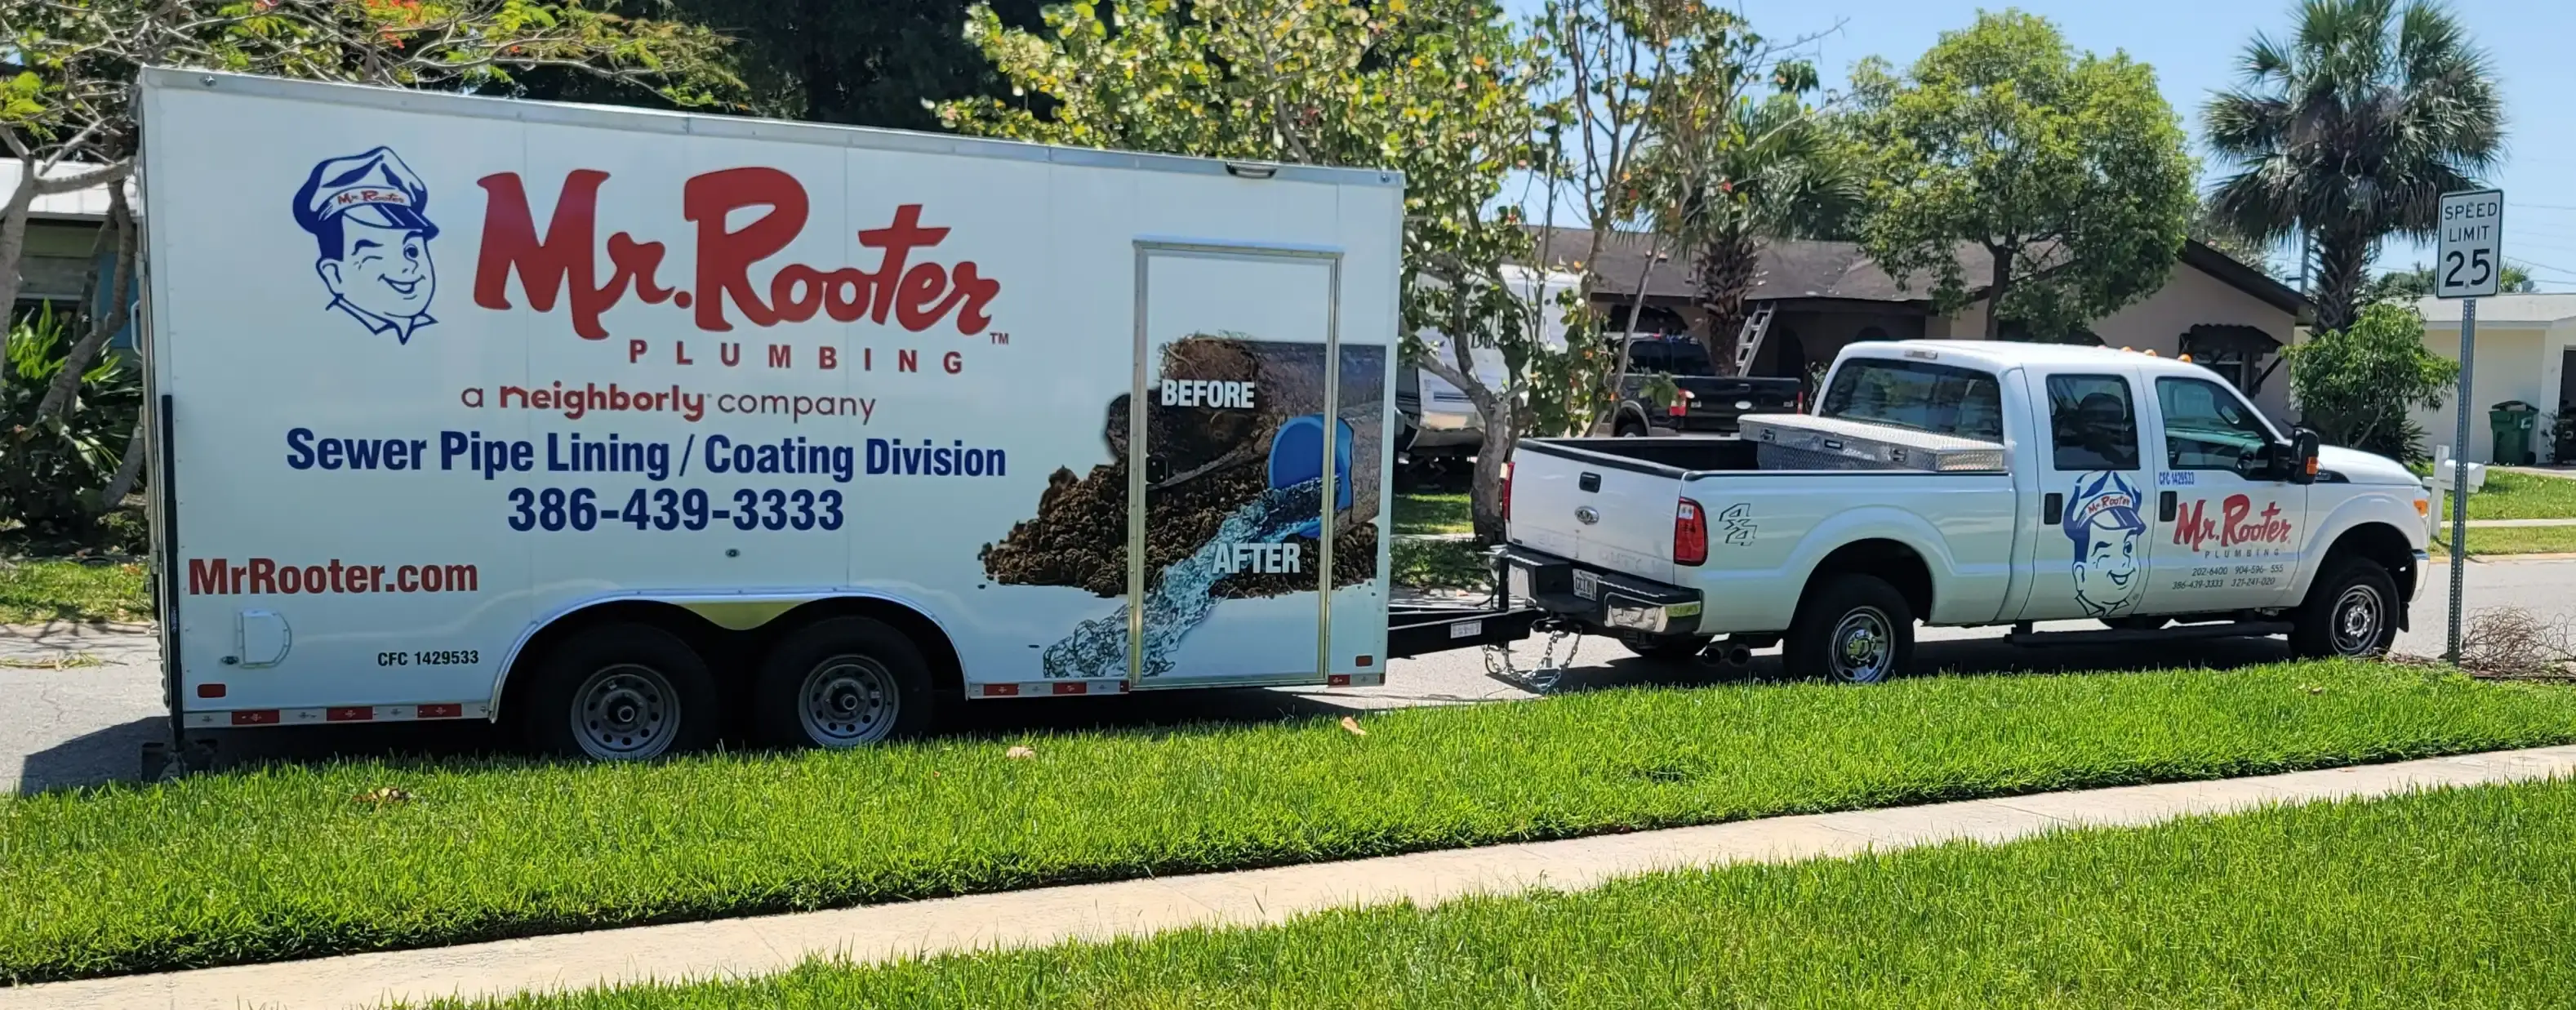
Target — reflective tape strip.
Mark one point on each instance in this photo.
(1048, 687)
(337, 714)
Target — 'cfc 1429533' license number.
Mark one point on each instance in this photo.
(430, 657)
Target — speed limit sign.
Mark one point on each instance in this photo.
(2470, 259)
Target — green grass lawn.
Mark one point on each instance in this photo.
(34, 592)
(1429, 512)
(1440, 564)
(2512, 540)
(2521, 496)
(292, 861)
(2457, 898)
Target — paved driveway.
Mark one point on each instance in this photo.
(78, 703)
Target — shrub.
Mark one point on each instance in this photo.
(51, 476)
(2356, 385)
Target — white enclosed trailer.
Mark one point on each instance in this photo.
(622, 424)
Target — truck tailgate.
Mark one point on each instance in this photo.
(1600, 510)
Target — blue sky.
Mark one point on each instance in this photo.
(2194, 44)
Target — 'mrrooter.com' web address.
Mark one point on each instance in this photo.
(268, 576)
(573, 402)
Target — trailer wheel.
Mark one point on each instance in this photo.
(1855, 629)
(2351, 613)
(843, 682)
(622, 692)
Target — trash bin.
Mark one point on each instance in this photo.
(2512, 422)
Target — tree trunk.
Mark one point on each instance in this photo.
(128, 469)
(1485, 487)
(1725, 268)
(13, 236)
(1997, 283)
(2343, 261)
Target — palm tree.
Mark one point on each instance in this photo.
(1757, 170)
(2352, 129)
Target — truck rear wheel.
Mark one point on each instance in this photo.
(621, 692)
(843, 682)
(2351, 612)
(1854, 629)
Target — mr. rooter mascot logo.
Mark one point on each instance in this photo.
(2102, 519)
(369, 217)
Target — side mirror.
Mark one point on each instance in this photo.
(2303, 456)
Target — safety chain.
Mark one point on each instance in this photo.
(1543, 678)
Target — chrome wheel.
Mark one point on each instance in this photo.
(2358, 616)
(625, 712)
(847, 701)
(1863, 646)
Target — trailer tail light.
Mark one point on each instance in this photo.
(1690, 534)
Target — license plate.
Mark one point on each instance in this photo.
(1587, 585)
(1466, 629)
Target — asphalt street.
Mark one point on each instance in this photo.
(78, 703)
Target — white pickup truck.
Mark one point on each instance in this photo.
(2138, 491)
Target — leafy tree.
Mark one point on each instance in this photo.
(872, 63)
(1434, 88)
(2417, 282)
(1732, 168)
(2351, 129)
(2066, 170)
(2355, 385)
(67, 101)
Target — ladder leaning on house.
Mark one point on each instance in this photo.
(1749, 342)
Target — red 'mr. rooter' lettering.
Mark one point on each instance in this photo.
(912, 295)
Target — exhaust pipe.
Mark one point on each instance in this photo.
(1738, 655)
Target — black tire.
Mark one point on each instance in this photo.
(1629, 427)
(1850, 612)
(1665, 647)
(2351, 612)
(621, 692)
(843, 682)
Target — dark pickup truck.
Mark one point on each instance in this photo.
(1709, 404)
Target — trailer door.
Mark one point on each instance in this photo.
(1233, 453)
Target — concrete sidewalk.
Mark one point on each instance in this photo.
(741, 947)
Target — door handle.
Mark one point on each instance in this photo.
(2052, 508)
(2165, 507)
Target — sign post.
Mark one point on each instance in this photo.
(2467, 265)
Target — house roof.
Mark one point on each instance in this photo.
(2507, 310)
(1809, 268)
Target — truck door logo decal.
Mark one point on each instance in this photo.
(2102, 519)
(369, 217)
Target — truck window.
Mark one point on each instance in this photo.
(1689, 359)
(1913, 394)
(2207, 427)
(1646, 357)
(2093, 423)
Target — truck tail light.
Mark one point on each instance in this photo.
(1681, 405)
(1690, 534)
(1507, 492)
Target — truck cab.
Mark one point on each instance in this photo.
(1974, 483)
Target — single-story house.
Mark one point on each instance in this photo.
(2526, 350)
(2225, 314)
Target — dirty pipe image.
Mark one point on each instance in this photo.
(1235, 446)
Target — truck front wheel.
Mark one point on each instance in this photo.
(621, 692)
(2350, 612)
(843, 682)
(1853, 629)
